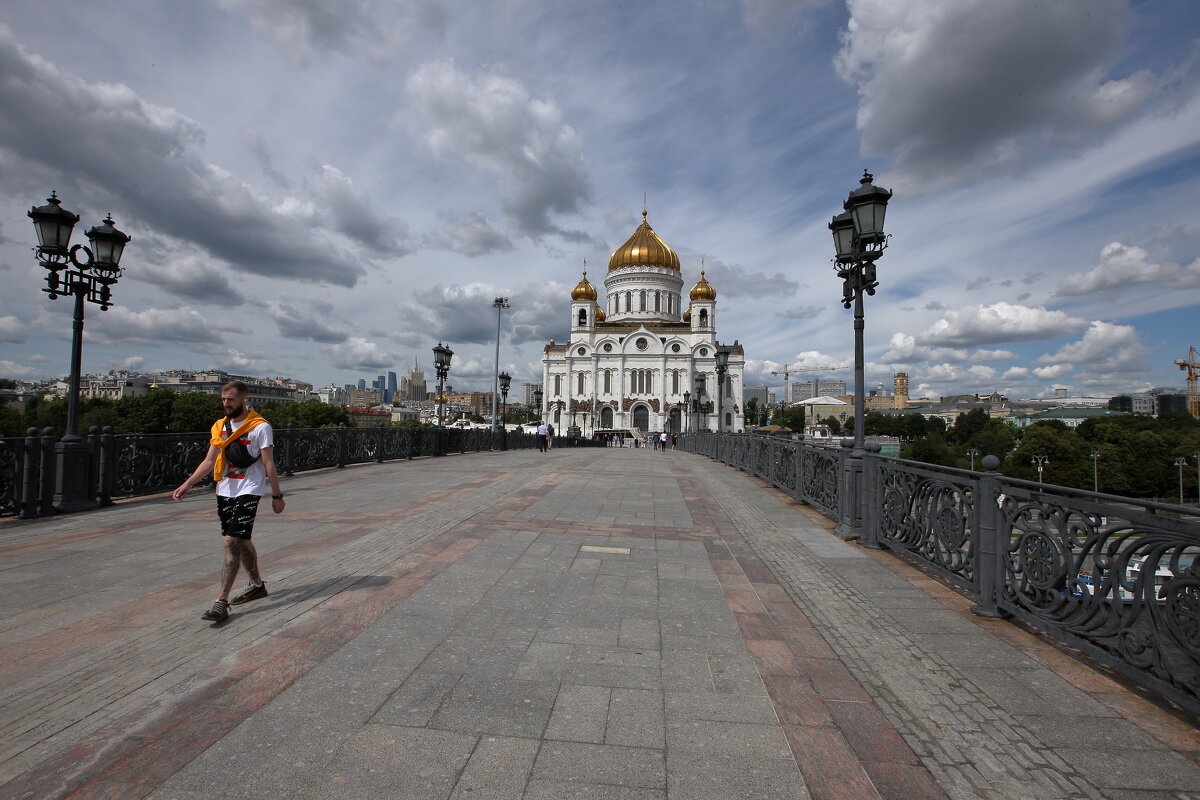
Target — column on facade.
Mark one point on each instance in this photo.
(619, 420)
(664, 415)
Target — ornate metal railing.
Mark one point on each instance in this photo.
(133, 465)
(1115, 577)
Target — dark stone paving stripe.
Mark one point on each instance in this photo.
(843, 744)
(111, 763)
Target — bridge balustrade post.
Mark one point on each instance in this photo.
(341, 445)
(108, 467)
(379, 444)
(93, 455)
(289, 450)
(850, 486)
(991, 548)
(30, 480)
(48, 465)
(872, 475)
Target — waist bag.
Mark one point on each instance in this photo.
(237, 453)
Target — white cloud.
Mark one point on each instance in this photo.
(1104, 350)
(191, 277)
(1052, 372)
(360, 354)
(998, 323)
(316, 321)
(12, 330)
(489, 122)
(471, 234)
(355, 217)
(955, 91)
(11, 369)
(1125, 265)
(171, 189)
(151, 326)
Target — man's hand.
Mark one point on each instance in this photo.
(181, 492)
(277, 505)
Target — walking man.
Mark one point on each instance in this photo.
(542, 434)
(241, 455)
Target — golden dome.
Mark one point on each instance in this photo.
(584, 289)
(703, 290)
(600, 315)
(687, 314)
(644, 249)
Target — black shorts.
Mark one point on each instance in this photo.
(237, 515)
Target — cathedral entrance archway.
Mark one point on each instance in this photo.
(641, 419)
(675, 420)
(606, 417)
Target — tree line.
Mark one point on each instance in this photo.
(159, 411)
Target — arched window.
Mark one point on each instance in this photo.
(558, 382)
(580, 389)
(657, 300)
(628, 301)
(582, 317)
(674, 381)
(642, 300)
(703, 318)
(607, 381)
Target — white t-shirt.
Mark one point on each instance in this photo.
(543, 430)
(252, 479)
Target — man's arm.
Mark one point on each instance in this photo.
(205, 468)
(267, 454)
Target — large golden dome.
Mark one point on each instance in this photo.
(600, 315)
(703, 290)
(644, 249)
(584, 289)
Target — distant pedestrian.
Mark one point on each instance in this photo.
(674, 440)
(662, 442)
(549, 436)
(241, 457)
(543, 432)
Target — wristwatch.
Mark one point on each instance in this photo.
(276, 497)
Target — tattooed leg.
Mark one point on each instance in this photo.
(233, 559)
(250, 561)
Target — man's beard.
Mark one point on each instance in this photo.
(237, 412)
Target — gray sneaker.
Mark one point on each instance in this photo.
(218, 613)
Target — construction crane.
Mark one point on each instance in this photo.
(1193, 370)
(788, 370)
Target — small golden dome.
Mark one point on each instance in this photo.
(600, 315)
(584, 289)
(644, 249)
(687, 314)
(703, 290)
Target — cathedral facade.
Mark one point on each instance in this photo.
(635, 367)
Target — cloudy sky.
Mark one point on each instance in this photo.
(324, 190)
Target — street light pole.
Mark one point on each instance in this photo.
(1041, 462)
(699, 383)
(91, 280)
(1181, 462)
(500, 303)
(1095, 454)
(687, 410)
(972, 452)
(859, 241)
(722, 359)
(441, 363)
(505, 382)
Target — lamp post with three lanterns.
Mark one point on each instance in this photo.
(88, 280)
(441, 363)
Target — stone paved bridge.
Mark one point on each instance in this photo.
(578, 624)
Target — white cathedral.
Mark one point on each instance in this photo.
(634, 367)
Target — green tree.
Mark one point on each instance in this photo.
(752, 411)
(931, 449)
(832, 423)
(194, 411)
(12, 421)
(996, 438)
(967, 425)
(147, 413)
(792, 418)
(1068, 465)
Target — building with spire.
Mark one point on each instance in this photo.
(629, 367)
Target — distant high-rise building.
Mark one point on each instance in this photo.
(362, 384)
(530, 388)
(754, 392)
(417, 388)
(900, 390)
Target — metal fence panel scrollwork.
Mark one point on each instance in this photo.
(12, 471)
(152, 463)
(931, 516)
(1116, 577)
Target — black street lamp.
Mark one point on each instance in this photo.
(722, 357)
(505, 382)
(859, 241)
(91, 280)
(537, 403)
(687, 409)
(441, 363)
(699, 383)
(1041, 462)
(500, 303)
